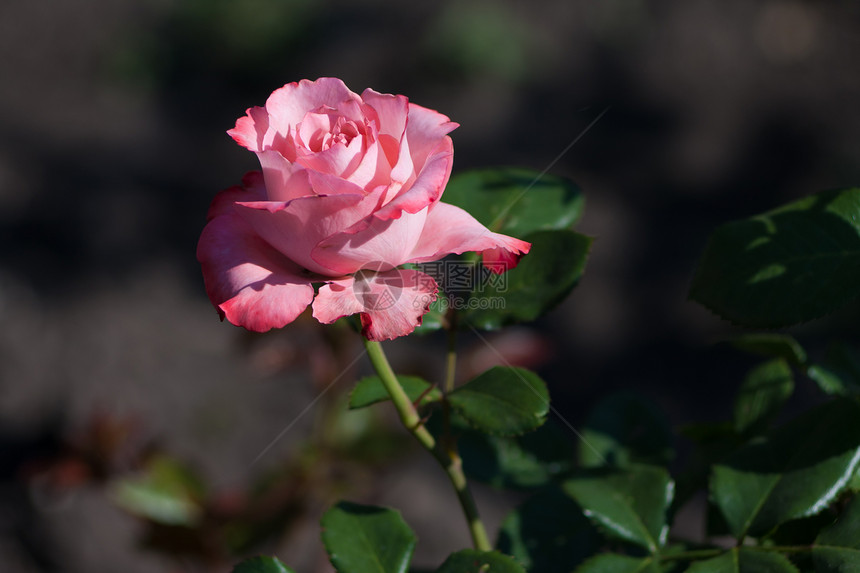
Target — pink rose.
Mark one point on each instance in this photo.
(349, 191)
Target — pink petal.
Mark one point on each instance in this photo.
(328, 184)
(391, 303)
(449, 229)
(264, 128)
(295, 227)
(424, 160)
(425, 129)
(384, 242)
(339, 159)
(387, 116)
(311, 126)
(284, 180)
(254, 132)
(373, 169)
(427, 188)
(504, 258)
(249, 282)
(391, 112)
(403, 172)
(352, 108)
(289, 104)
(251, 130)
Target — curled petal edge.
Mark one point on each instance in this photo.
(390, 304)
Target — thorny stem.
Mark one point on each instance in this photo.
(449, 461)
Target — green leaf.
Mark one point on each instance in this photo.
(794, 471)
(167, 493)
(614, 563)
(745, 560)
(261, 565)
(771, 345)
(516, 201)
(626, 429)
(837, 548)
(503, 401)
(630, 505)
(790, 265)
(543, 278)
(370, 390)
(473, 561)
(548, 533)
(762, 394)
(367, 539)
(521, 462)
(840, 372)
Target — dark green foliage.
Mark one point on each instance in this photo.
(503, 401)
(367, 539)
(790, 265)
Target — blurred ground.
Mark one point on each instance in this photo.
(112, 144)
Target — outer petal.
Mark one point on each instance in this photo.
(383, 243)
(249, 282)
(426, 128)
(427, 188)
(449, 229)
(284, 180)
(251, 129)
(264, 128)
(294, 228)
(391, 303)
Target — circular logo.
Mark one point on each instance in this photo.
(378, 286)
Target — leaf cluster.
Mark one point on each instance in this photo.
(783, 494)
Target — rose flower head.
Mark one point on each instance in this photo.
(349, 191)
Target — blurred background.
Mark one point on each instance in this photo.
(112, 145)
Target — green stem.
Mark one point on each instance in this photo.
(451, 358)
(705, 553)
(692, 555)
(449, 461)
(450, 365)
(785, 548)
